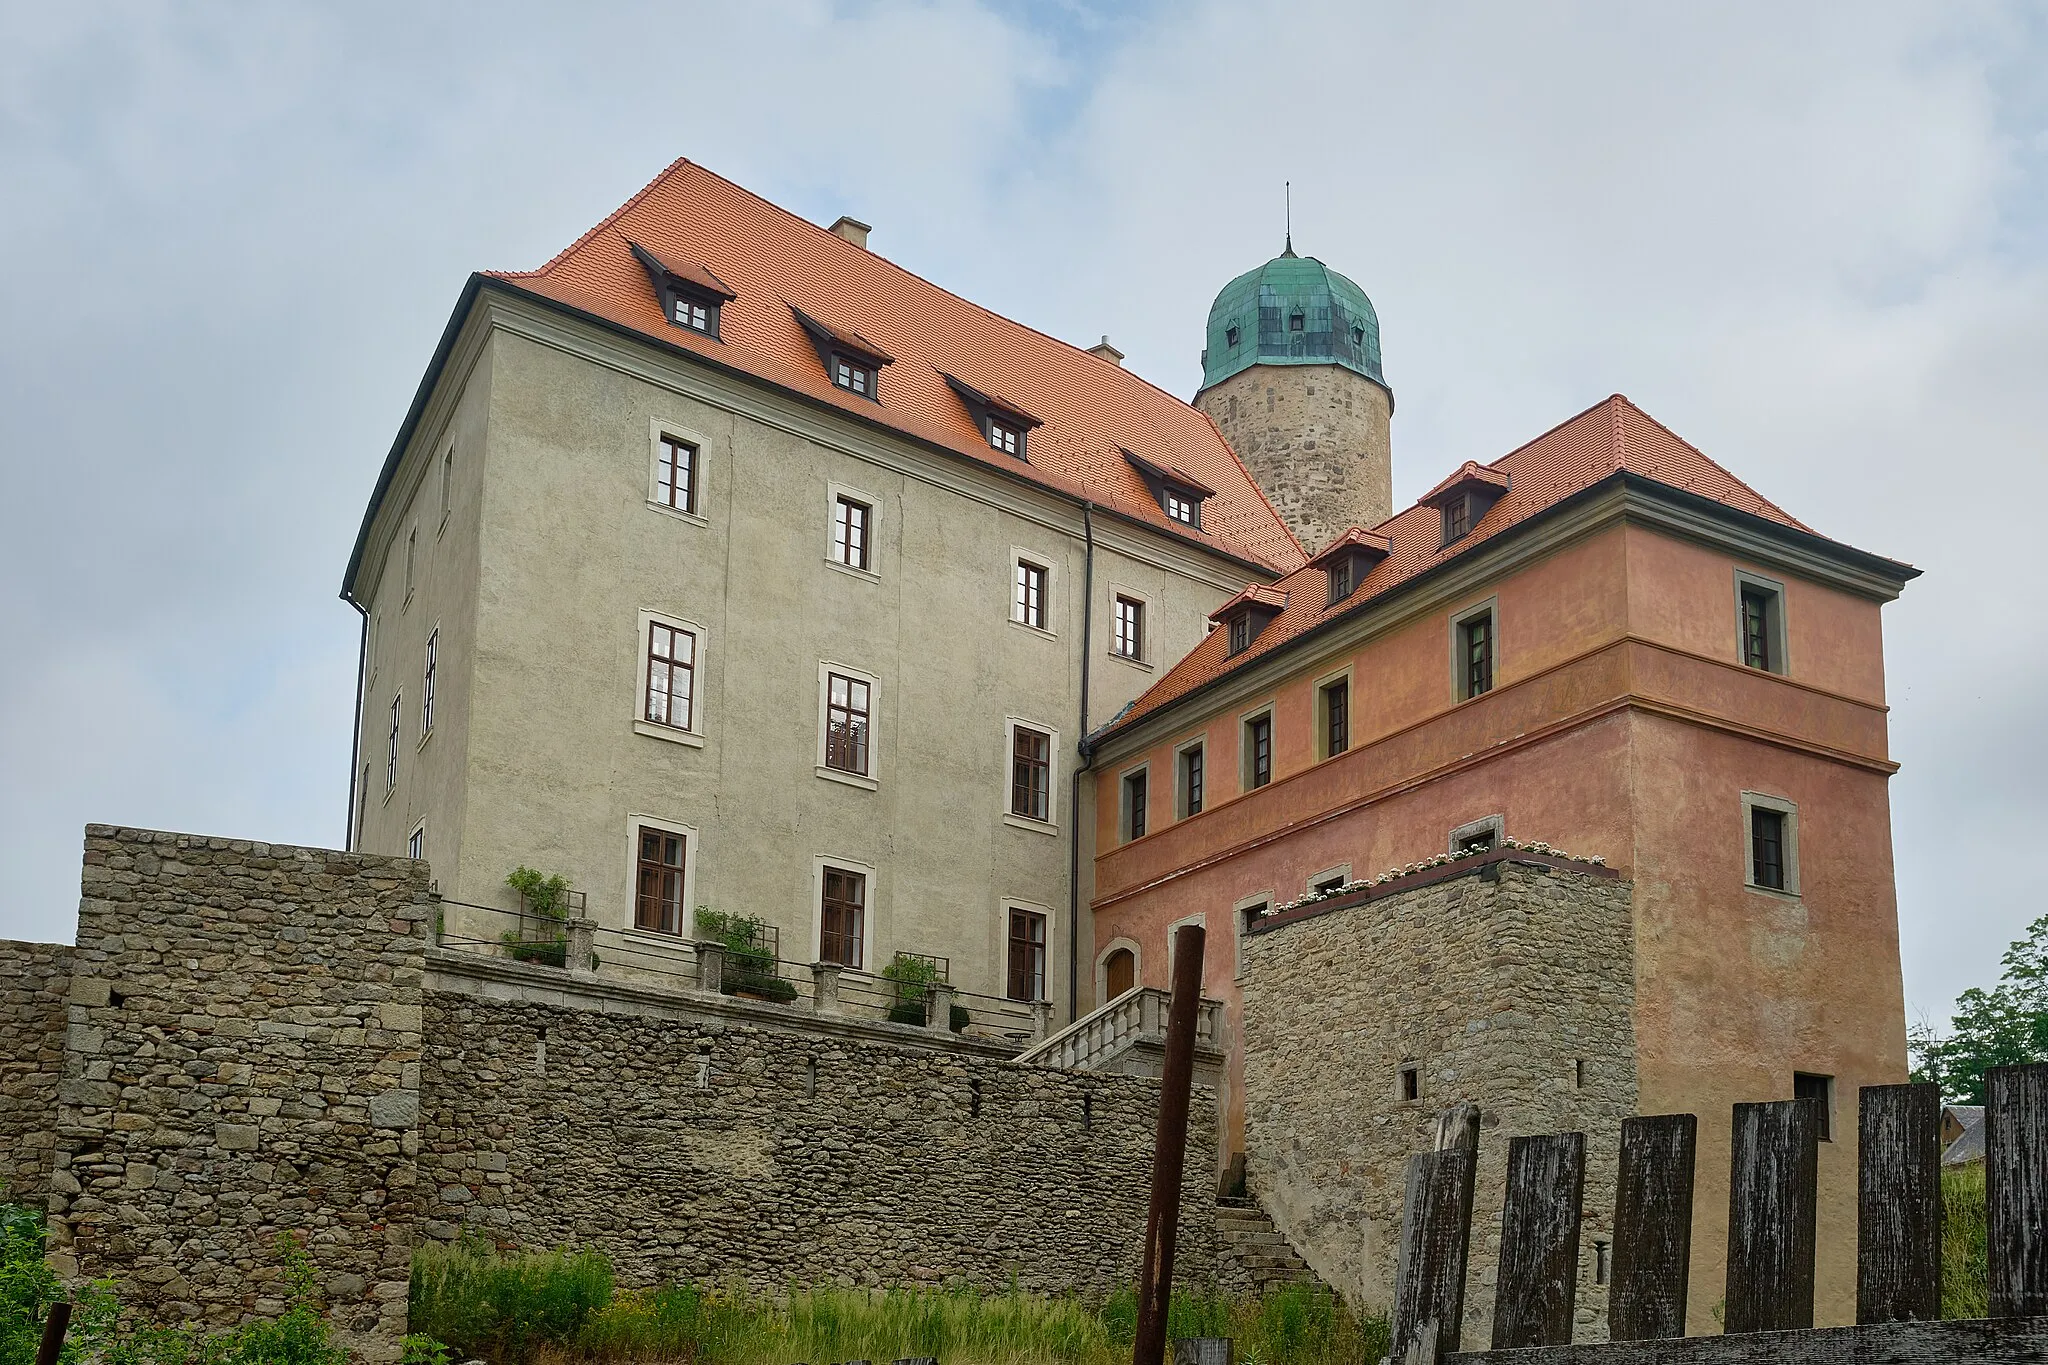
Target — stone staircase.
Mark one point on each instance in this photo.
(1250, 1238)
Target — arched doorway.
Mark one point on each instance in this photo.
(1120, 970)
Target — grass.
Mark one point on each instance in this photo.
(548, 1307)
(1965, 1279)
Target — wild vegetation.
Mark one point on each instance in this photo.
(563, 1306)
(2006, 1025)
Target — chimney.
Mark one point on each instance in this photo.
(853, 230)
(1107, 352)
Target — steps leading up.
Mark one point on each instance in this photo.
(1261, 1249)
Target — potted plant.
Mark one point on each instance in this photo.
(542, 935)
(913, 977)
(749, 956)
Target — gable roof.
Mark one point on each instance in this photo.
(1612, 437)
(1091, 410)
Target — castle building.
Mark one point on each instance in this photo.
(722, 562)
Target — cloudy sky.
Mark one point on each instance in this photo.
(1812, 244)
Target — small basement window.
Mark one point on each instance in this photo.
(1410, 1082)
(1603, 1262)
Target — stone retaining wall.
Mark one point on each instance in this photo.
(1510, 985)
(35, 978)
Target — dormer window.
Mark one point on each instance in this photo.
(1295, 322)
(853, 375)
(1230, 335)
(1005, 426)
(1180, 507)
(1464, 499)
(851, 361)
(690, 294)
(1350, 558)
(1180, 495)
(1240, 633)
(1340, 580)
(1457, 519)
(1358, 336)
(1245, 615)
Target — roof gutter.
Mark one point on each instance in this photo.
(478, 282)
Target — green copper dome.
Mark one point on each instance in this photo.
(1293, 310)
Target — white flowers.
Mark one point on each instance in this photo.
(1352, 888)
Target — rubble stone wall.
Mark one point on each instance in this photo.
(1509, 985)
(35, 979)
(242, 1061)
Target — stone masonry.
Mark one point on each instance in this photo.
(1317, 439)
(1506, 980)
(254, 1039)
(242, 1061)
(35, 978)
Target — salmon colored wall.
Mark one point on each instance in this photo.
(1683, 595)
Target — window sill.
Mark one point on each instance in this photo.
(388, 791)
(438, 530)
(1039, 631)
(849, 779)
(668, 732)
(1130, 662)
(407, 602)
(1773, 892)
(678, 513)
(1035, 826)
(423, 741)
(850, 571)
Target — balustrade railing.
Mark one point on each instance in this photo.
(1138, 1014)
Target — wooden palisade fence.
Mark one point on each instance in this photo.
(1768, 1310)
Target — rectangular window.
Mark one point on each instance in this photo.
(1457, 519)
(416, 842)
(1340, 579)
(1004, 437)
(1027, 955)
(1336, 717)
(853, 376)
(1411, 1081)
(1762, 624)
(412, 543)
(1029, 603)
(850, 532)
(675, 475)
(1258, 746)
(427, 684)
(362, 804)
(1807, 1086)
(1130, 628)
(1134, 804)
(1191, 780)
(1240, 632)
(844, 911)
(696, 316)
(671, 675)
(1767, 847)
(1180, 507)
(1475, 655)
(658, 903)
(1031, 774)
(846, 724)
(447, 484)
(391, 748)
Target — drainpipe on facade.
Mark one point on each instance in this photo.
(1074, 794)
(355, 740)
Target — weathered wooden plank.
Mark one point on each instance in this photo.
(1538, 1278)
(1429, 1284)
(1773, 1167)
(1204, 1351)
(1898, 1203)
(1652, 1227)
(2016, 1188)
(1882, 1343)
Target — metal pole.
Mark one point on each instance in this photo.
(54, 1328)
(1169, 1153)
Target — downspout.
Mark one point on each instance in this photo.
(355, 739)
(1074, 794)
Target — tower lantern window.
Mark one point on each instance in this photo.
(1230, 335)
(1295, 321)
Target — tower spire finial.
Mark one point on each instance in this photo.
(1288, 190)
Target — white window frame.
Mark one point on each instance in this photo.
(447, 487)
(1102, 957)
(1497, 824)
(1322, 720)
(417, 837)
(1143, 658)
(412, 547)
(1237, 935)
(1490, 608)
(370, 642)
(1019, 557)
(1052, 928)
(694, 736)
(872, 958)
(1180, 786)
(658, 429)
(1790, 810)
(1051, 823)
(1244, 750)
(1123, 800)
(429, 681)
(393, 738)
(834, 491)
(1778, 630)
(693, 850)
(867, 781)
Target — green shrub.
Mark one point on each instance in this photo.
(1965, 1273)
(749, 961)
(504, 1307)
(548, 953)
(546, 896)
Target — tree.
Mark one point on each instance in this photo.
(2004, 1026)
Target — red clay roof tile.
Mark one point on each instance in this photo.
(1092, 410)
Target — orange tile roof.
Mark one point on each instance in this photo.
(1092, 410)
(1610, 437)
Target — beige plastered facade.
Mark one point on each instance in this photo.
(550, 557)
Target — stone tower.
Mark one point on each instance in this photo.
(1291, 375)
